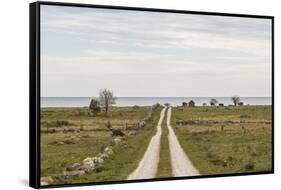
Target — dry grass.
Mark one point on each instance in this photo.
(227, 148)
(64, 147)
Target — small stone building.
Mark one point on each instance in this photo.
(191, 103)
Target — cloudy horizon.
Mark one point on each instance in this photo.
(153, 54)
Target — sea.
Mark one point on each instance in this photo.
(148, 101)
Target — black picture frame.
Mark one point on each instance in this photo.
(34, 93)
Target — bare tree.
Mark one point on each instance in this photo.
(106, 99)
(213, 102)
(235, 100)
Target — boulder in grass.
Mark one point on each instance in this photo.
(60, 143)
(108, 150)
(115, 141)
(70, 174)
(43, 183)
(76, 166)
(46, 180)
(86, 168)
(89, 162)
(103, 155)
(97, 160)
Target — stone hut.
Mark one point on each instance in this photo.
(94, 106)
(191, 103)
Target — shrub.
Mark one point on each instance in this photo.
(249, 166)
(108, 125)
(244, 116)
(99, 168)
(136, 107)
(117, 132)
(210, 155)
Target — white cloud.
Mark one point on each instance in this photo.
(134, 47)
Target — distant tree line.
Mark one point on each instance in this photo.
(214, 102)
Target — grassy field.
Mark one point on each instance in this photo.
(223, 140)
(164, 166)
(85, 136)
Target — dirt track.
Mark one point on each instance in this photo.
(147, 167)
(181, 165)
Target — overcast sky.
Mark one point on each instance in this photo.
(138, 54)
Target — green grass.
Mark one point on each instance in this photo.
(79, 116)
(125, 158)
(254, 113)
(227, 148)
(164, 166)
(56, 158)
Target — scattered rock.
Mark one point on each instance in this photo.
(147, 119)
(70, 141)
(85, 136)
(97, 160)
(43, 183)
(103, 155)
(66, 130)
(51, 130)
(86, 168)
(88, 165)
(108, 150)
(60, 142)
(76, 166)
(46, 180)
(70, 174)
(115, 141)
(133, 133)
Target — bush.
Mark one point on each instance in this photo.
(249, 166)
(211, 156)
(117, 132)
(136, 107)
(244, 116)
(99, 168)
(61, 123)
(108, 125)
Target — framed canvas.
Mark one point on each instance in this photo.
(126, 94)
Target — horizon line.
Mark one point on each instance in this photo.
(157, 96)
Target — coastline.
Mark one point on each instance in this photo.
(148, 101)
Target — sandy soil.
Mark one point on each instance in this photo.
(181, 164)
(148, 165)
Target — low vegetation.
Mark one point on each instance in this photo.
(88, 136)
(223, 140)
(164, 166)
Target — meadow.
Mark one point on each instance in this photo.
(225, 140)
(69, 135)
(217, 139)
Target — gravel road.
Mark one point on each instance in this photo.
(181, 164)
(148, 165)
